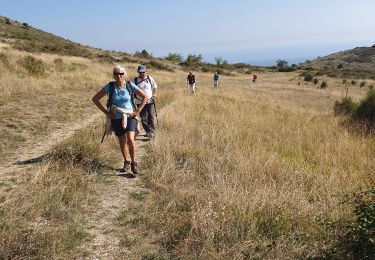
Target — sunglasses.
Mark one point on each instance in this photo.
(118, 73)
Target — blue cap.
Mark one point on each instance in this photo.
(141, 68)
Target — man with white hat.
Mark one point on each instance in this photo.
(149, 86)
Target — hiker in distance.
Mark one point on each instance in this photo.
(216, 79)
(191, 82)
(255, 78)
(148, 85)
(121, 114)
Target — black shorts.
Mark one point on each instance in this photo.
(117, 126)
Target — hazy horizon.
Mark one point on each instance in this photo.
(237, 31)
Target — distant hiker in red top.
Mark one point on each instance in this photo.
(255, 77)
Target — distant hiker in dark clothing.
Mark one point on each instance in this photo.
(148, 85)
(216, 79)
(255, 77)
(121, 114)
(191, 82)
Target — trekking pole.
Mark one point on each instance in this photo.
(105, 131)
(156, 113)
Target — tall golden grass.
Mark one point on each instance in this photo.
(247, 170)
(43, 217)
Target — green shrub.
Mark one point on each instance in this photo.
(355, 238)
(371, 86)
(345, 107)
(175, 57)
(205, 69)
(353, 82)
(34, 67)
(362, 84)
(308, 77)
(143, 54)
(286, 69)
(366, 108)
(193, 59)
(316, 81)
(158, 65)
(324, 85)
(7, 21)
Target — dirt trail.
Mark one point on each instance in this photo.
(33, 152)
(105, 236)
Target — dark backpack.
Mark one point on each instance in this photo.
(112, 90)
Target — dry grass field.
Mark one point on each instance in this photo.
(239, 172)
(247, 170)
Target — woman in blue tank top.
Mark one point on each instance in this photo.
(121, 109)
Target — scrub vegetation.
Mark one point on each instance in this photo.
(246, 170)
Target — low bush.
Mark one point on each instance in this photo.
(324, 85)
(205, 69)
(316, 81)
(344, 107)
(355, 238)
(174, 57)
(362, 84)
(158, 65)
(286, 69)
(366, 108)
(308, 77)
(34, 67)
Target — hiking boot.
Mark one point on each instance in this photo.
(126, 166)
(135, 168)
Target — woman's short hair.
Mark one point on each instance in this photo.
(119, 69)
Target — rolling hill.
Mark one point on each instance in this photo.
(360, 58)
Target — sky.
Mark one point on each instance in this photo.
(236, 30)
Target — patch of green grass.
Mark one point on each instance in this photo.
(138, 195)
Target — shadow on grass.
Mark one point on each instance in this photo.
(32, 160)
(358, 127)
(116, 172)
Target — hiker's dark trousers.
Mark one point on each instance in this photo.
(148, 118)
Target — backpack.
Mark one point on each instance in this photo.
(148, 79)
(136, 83)
(112, 90)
